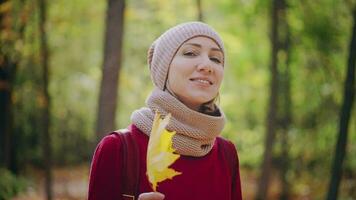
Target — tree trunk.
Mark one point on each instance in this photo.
(5, 111)
(7, 73)
(44, 55)
(111, 67)
(286, 122)
(5, 100)
(286, 101)
(272, 110)
(8, 67)
(200, 11)
(345, 113)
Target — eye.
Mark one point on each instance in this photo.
(189, 53)
(216, 60)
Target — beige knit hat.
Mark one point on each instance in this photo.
(163, 49)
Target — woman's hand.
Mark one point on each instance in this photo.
(151, 196)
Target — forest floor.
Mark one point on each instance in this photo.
(71, 183)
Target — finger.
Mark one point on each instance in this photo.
(151, 196)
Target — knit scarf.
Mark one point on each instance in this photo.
(195, 131)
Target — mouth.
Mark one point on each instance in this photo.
(204, 81)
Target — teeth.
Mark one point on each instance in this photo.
(203, 81)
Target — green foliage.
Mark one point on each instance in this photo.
(320, 32)
(10, 185)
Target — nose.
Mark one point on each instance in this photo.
(205, 66)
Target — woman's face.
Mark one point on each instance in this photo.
(196, 72)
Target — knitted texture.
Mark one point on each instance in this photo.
(163, 49)
(196, 132)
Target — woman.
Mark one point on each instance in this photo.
(187, 67)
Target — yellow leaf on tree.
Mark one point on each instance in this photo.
(160, 152)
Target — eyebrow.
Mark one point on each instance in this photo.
(198, 45)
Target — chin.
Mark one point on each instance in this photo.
(201, 100)
(195, 97)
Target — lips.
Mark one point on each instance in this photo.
(202, 80)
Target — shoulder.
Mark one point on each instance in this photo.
(225, 143)
(111, 141)
(108, 148)
(228, 149)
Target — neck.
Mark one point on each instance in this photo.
(195, 107)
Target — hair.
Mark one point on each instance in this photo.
(210, 107)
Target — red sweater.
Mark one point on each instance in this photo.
(208, 177)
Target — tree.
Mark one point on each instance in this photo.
(10, 34)
(345, 113)
(111, 67)
(271, 119)
(285, 112)
(44, 55)
(7, 71)
(200, 10)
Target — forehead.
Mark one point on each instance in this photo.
(203, 42)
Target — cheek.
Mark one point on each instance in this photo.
(176, 78)
(220, 76)
(179, 71)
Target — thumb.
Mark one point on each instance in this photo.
(151, 196)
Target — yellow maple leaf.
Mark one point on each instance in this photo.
(160, 152)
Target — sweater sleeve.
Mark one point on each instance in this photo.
(105, 171)
(236, 181)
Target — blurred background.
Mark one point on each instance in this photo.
(71, 71)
